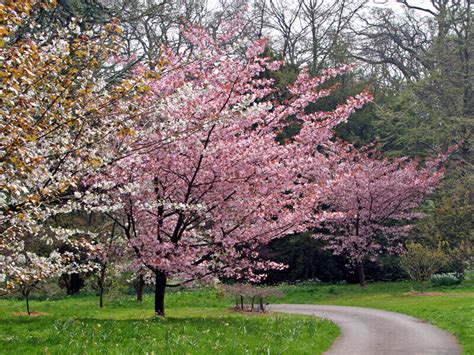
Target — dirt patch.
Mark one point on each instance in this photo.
(32, 314)
(416, 293)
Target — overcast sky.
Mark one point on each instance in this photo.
(393, 4)
(397, 7)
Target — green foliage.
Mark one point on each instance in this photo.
(306, 259)
(449, 224)
(421, 262)
(409, 124)
(284, 77)
(359, 129)
(385, 268)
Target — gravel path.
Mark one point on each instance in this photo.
(366, 331)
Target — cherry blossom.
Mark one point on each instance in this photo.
(370, 202)
(200, 196)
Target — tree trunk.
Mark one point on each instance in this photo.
(102, 284)
(360, 271)
(67, 283)
(160, 288)
(139, 287)
(27, 295)
(73, 283)
(101, 297)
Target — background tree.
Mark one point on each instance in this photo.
(306, 257)
(425, 54)
(449, 227)
(78, 265)
(309, 31)
(370, 203)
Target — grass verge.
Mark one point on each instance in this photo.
(197, 323)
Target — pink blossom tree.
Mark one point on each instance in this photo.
(370, 202)
(221, 187)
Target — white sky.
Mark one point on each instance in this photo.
(393, 4)
(397, 7)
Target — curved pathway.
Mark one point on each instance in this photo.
(366, 331)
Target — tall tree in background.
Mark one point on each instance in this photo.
(427, 53)
(149, 25)
(309, 31)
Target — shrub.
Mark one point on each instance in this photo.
(420, 263)
(446, 279)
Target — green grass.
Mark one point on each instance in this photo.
(197, 322)
(450, 308)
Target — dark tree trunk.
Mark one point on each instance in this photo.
(139, 287)
(101, 297)
(262, 307)
(360, 265)
(73, 283)
(361, 273)
(77, 282)
(27, 295)
(102, 284)
(67, 283)
(160, 288)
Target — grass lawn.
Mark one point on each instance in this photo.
(197, 322)
(450, 308)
